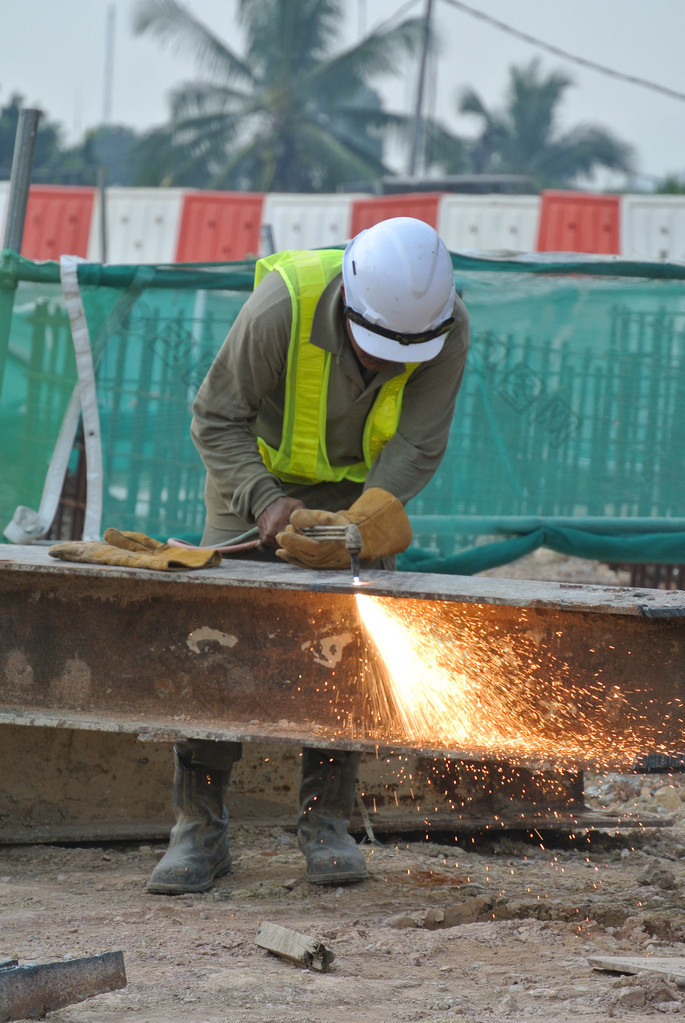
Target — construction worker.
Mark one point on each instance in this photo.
(372, 343)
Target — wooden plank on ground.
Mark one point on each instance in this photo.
(670, 967)
(298, 948)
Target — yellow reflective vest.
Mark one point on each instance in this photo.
(302, 456)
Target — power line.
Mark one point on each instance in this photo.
(396, 16)
(557, 51)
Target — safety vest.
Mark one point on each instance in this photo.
(302, 456)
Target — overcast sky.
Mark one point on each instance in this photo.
(53, 53)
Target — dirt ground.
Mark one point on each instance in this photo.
(472, 928)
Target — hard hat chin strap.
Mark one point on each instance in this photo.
(395, 335)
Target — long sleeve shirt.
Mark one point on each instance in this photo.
(243, 397)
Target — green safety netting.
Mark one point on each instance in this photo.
(567, 432)
(37, 377)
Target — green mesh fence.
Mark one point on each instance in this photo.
(567, 431)
(37, 377)
(154, 336)
(569, 421)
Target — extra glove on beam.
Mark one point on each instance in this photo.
(135, 550)
(379, 516)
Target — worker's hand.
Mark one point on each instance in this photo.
(379, 516)
(307, 552)
(275, 519)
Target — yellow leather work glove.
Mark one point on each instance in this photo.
(135, 550)
(130, 541)
(379, 516)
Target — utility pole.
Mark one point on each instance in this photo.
(418, 109)
(101, 175)
(109, 65)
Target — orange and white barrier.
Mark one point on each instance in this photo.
(579, 222)
(299, 221)
(58, 219)
(141, 225)
(218, 227)
(4, 191)
(653, 227)
(489, 223)
(174, 225)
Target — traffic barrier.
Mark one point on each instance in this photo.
(218, 227)
(4, 192)
(488, 223)
(299, 221)
(57, 221)
(367, 212)
(579, 222)
(173, 225)
(653, 227)
(142, 225)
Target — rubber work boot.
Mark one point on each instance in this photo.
(198, 850)
(326, 801)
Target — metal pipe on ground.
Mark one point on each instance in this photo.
(32, 990)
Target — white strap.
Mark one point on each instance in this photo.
(68, 268)
(28, 525)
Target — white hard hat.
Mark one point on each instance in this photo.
(399, 290)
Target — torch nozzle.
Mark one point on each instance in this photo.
(354, 543)
(349, 534)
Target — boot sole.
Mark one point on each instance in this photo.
(336, 878)
(175, 889)
(178, 888)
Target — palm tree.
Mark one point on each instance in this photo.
(524, 137)
(292, 114)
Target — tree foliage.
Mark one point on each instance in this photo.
(671, 184)
(524, 136)
(293, 113)
(296, 113)
(48, 147)
(114, 147)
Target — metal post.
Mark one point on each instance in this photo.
(266, 235)
(20, 177)
(102, 190)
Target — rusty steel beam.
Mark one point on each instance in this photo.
(32, 990)
(267, 653)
